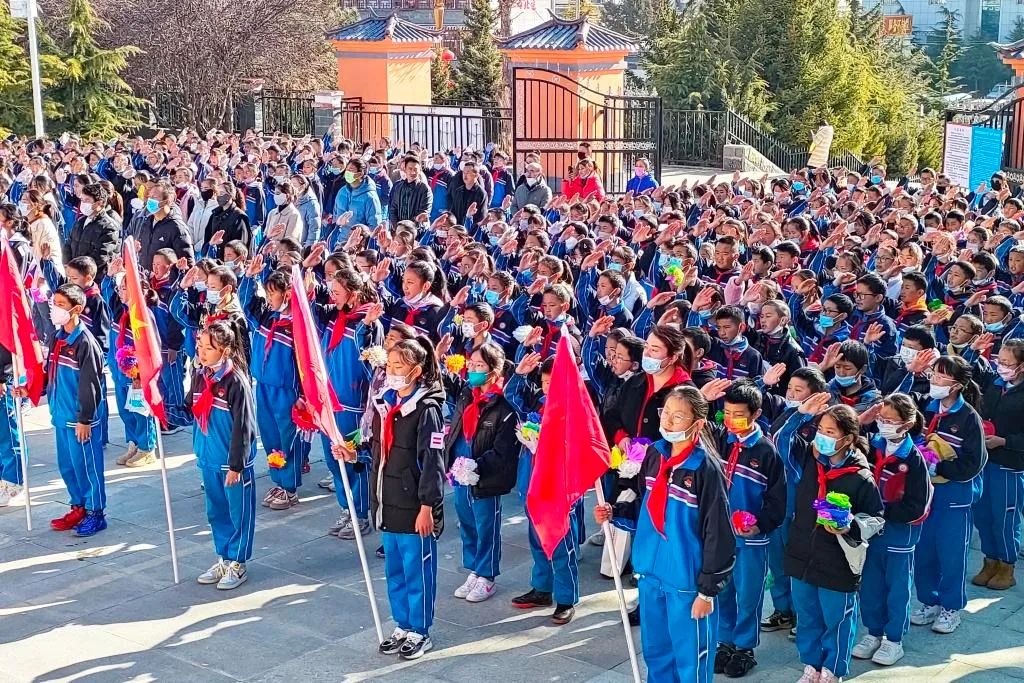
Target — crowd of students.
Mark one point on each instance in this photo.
(809, 381)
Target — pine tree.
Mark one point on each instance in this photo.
(944, 44)
(442, 87)
(94, 97)
(478, 70)
(16, 115)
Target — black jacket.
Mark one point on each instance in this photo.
(776, 350)
(635, 414)
(495, 446)
(98, 237)
(409, 200)
(460, 197)
(1006, 412)
(813, 554)
(412, 473)
(235, 225)
(170, 232)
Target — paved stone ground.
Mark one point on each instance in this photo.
(105, 609)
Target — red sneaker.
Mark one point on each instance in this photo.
(70, 520)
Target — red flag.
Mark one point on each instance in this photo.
(316, 389)
(144, 333)
(569, 459)
(17, 334)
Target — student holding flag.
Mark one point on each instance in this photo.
(684, 548)
(225, 445)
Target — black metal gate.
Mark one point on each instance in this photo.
(554, 113)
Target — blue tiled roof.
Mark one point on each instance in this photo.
(376, 28)
(563, 34)
(1013, 50)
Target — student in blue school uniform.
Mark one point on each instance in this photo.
(901, 475)
(755, 482)
(997, 515)
(732, 354)
(139, 426)
(953, 431)
(172, 341)
(483, 430)
(73, 393)
(350, 326)
(684, 549)
(420, 305)
(408, 490)
(225, 443)
(849, 361)
(556, 580)
(11, 475)
(277, 381)
(213, 296)
(823, 582)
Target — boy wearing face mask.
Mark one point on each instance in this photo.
(733, 355)
(606, 298)
(73, 391)
(893, 372)
(832, 326)
(1001, 321)
(196, 308)
(850, 384)
(755, 481)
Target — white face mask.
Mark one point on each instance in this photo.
(396, 382)
(890, 432)
(280, 198)
(937, 392)
(58, 316)
(468, 330)
(85, 208)
(907, 354)
(605, 300)
(530, 182)
(793, 402)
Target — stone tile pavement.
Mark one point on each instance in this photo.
(106, 609)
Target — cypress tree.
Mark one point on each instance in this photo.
(478, 69)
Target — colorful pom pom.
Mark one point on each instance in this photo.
(834, 510)
(276, 460)
(303, 419)
(127, 362)
(376, 356)
(464, 471)
(743, 521)
(454, 363)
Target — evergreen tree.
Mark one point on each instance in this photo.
(1018, 30)
(631, 17)
(979, 68)
(16, 115)
(442, 87)
(944, 44)
(478, 70)
(94, 98)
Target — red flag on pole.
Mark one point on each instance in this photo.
(316, 389)
(144, 333)
(571, 452)
(17, 333)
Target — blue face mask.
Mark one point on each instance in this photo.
(735, 342)
(200, 286)
(704, 315)
(476, 378)
(152, 206)
(846, 381)
(798, 187)
(213, 296)
(527, 276)
(675, 261)
(876, 179)
(651, 365)
(615, 266)
(826, 321)
(995, 327)
(825, 444)
(493, 239)
(491, 297)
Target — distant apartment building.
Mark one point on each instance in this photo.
(993, 20)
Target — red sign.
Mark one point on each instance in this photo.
(898, 25)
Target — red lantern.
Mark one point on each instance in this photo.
(447, 55)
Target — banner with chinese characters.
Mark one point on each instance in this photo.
(900, 25)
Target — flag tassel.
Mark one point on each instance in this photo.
(617, 576)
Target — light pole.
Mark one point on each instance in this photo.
(28, 10)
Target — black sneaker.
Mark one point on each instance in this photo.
(792, 633)
(778, 621)
(563, 614)
(534, 598)
(380, 552)
(722, 657)
(634, 616)
(740, 664)
(415, 646)
(393, 644)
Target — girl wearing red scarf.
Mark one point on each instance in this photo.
(482, 455)
(225, 443)
(684, 548)
(346, 334)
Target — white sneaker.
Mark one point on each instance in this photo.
(14, 490)
(827, 676)
(5, 494)
(463, 590)
(924, 615)
(213, 574)
(327, 482)
(596, 539)
(810, 675)
(234, 576)
(888, 653)
(947, 621)
(867, 647)
(343, 519)
(141, 459)
(482, 590)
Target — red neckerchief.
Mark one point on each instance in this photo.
(157, 283)
(678, 377)
(276, 325)
(410, 315)
(549, 338)
(719, 274)
(732, 357)
(881, 461)
(203, 406)
(657, 497)
(848, 400)
(918, 306)
(341, 324)
(934, 422)
(471, 416)
(387, 429)
(92, 290)
(825, 477)
(730, 464)
(818, 353)
(58, 346)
